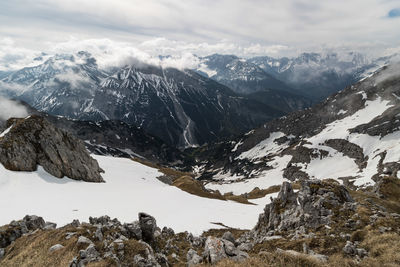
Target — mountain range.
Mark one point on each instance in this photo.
(314, 76)
(181, 107)
(352, 136)
(317, 187)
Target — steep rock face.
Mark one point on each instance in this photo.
(181, 107)
(33, 141)
(311, 207)
(111, 137)
(119, 139)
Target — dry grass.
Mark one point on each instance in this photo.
(259, 193)
(186, 182)
(192, 186)
(265, 259)
(219, 232)
(170, 172)
(383, 249)
(33, 250)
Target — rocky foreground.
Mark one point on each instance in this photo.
(321, 224)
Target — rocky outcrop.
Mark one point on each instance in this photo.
(148, 226)
(16, 229)
(34, 141)
(349, 149)
(216, 249)
(300, 154)
(311, 207)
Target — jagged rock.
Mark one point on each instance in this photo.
(162, 259)
(229, 236)
(167, 231)
(50, 226)
(193, 258)
(2, 253)
(311, 207)
(294, 173)
(85, 256)
(300, 154)
(56, 247)
(75, 223)
(84, 240)
(133, 230)
(16, 229)
(230, 248)
(98, 234)
(33, 222)
(103, 220)
(140, 261)
(34, 141)
(245, 246)
(196, 241)
(350, 248)
(214, 250)
(150, 259)
(349, 149)
(148, 226)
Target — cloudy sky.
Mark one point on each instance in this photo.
(177, 27)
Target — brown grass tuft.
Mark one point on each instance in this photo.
(33, 250)
(266, 259)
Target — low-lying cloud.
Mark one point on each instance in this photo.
(10, 108)
(75, 80)
(391, 72)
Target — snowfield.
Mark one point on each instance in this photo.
(335, 165)
(130, 188)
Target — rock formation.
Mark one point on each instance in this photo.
(34, 141)
(311, 207)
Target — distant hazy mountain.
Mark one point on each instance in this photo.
(245, 77)
(318, 76)
(311, 75)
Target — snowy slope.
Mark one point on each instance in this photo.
(353, 137)
(130, 188)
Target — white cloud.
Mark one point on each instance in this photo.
(75, 80)
(279, 27)
(11, 87)
(9, 109)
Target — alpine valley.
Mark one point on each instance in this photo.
(237, 162)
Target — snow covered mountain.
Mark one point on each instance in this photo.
(318, 76)
(353, 136)
(245, 77)
(310, 76)
(239, 74)
(181, 107)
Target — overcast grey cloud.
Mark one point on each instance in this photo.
(176, 27)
